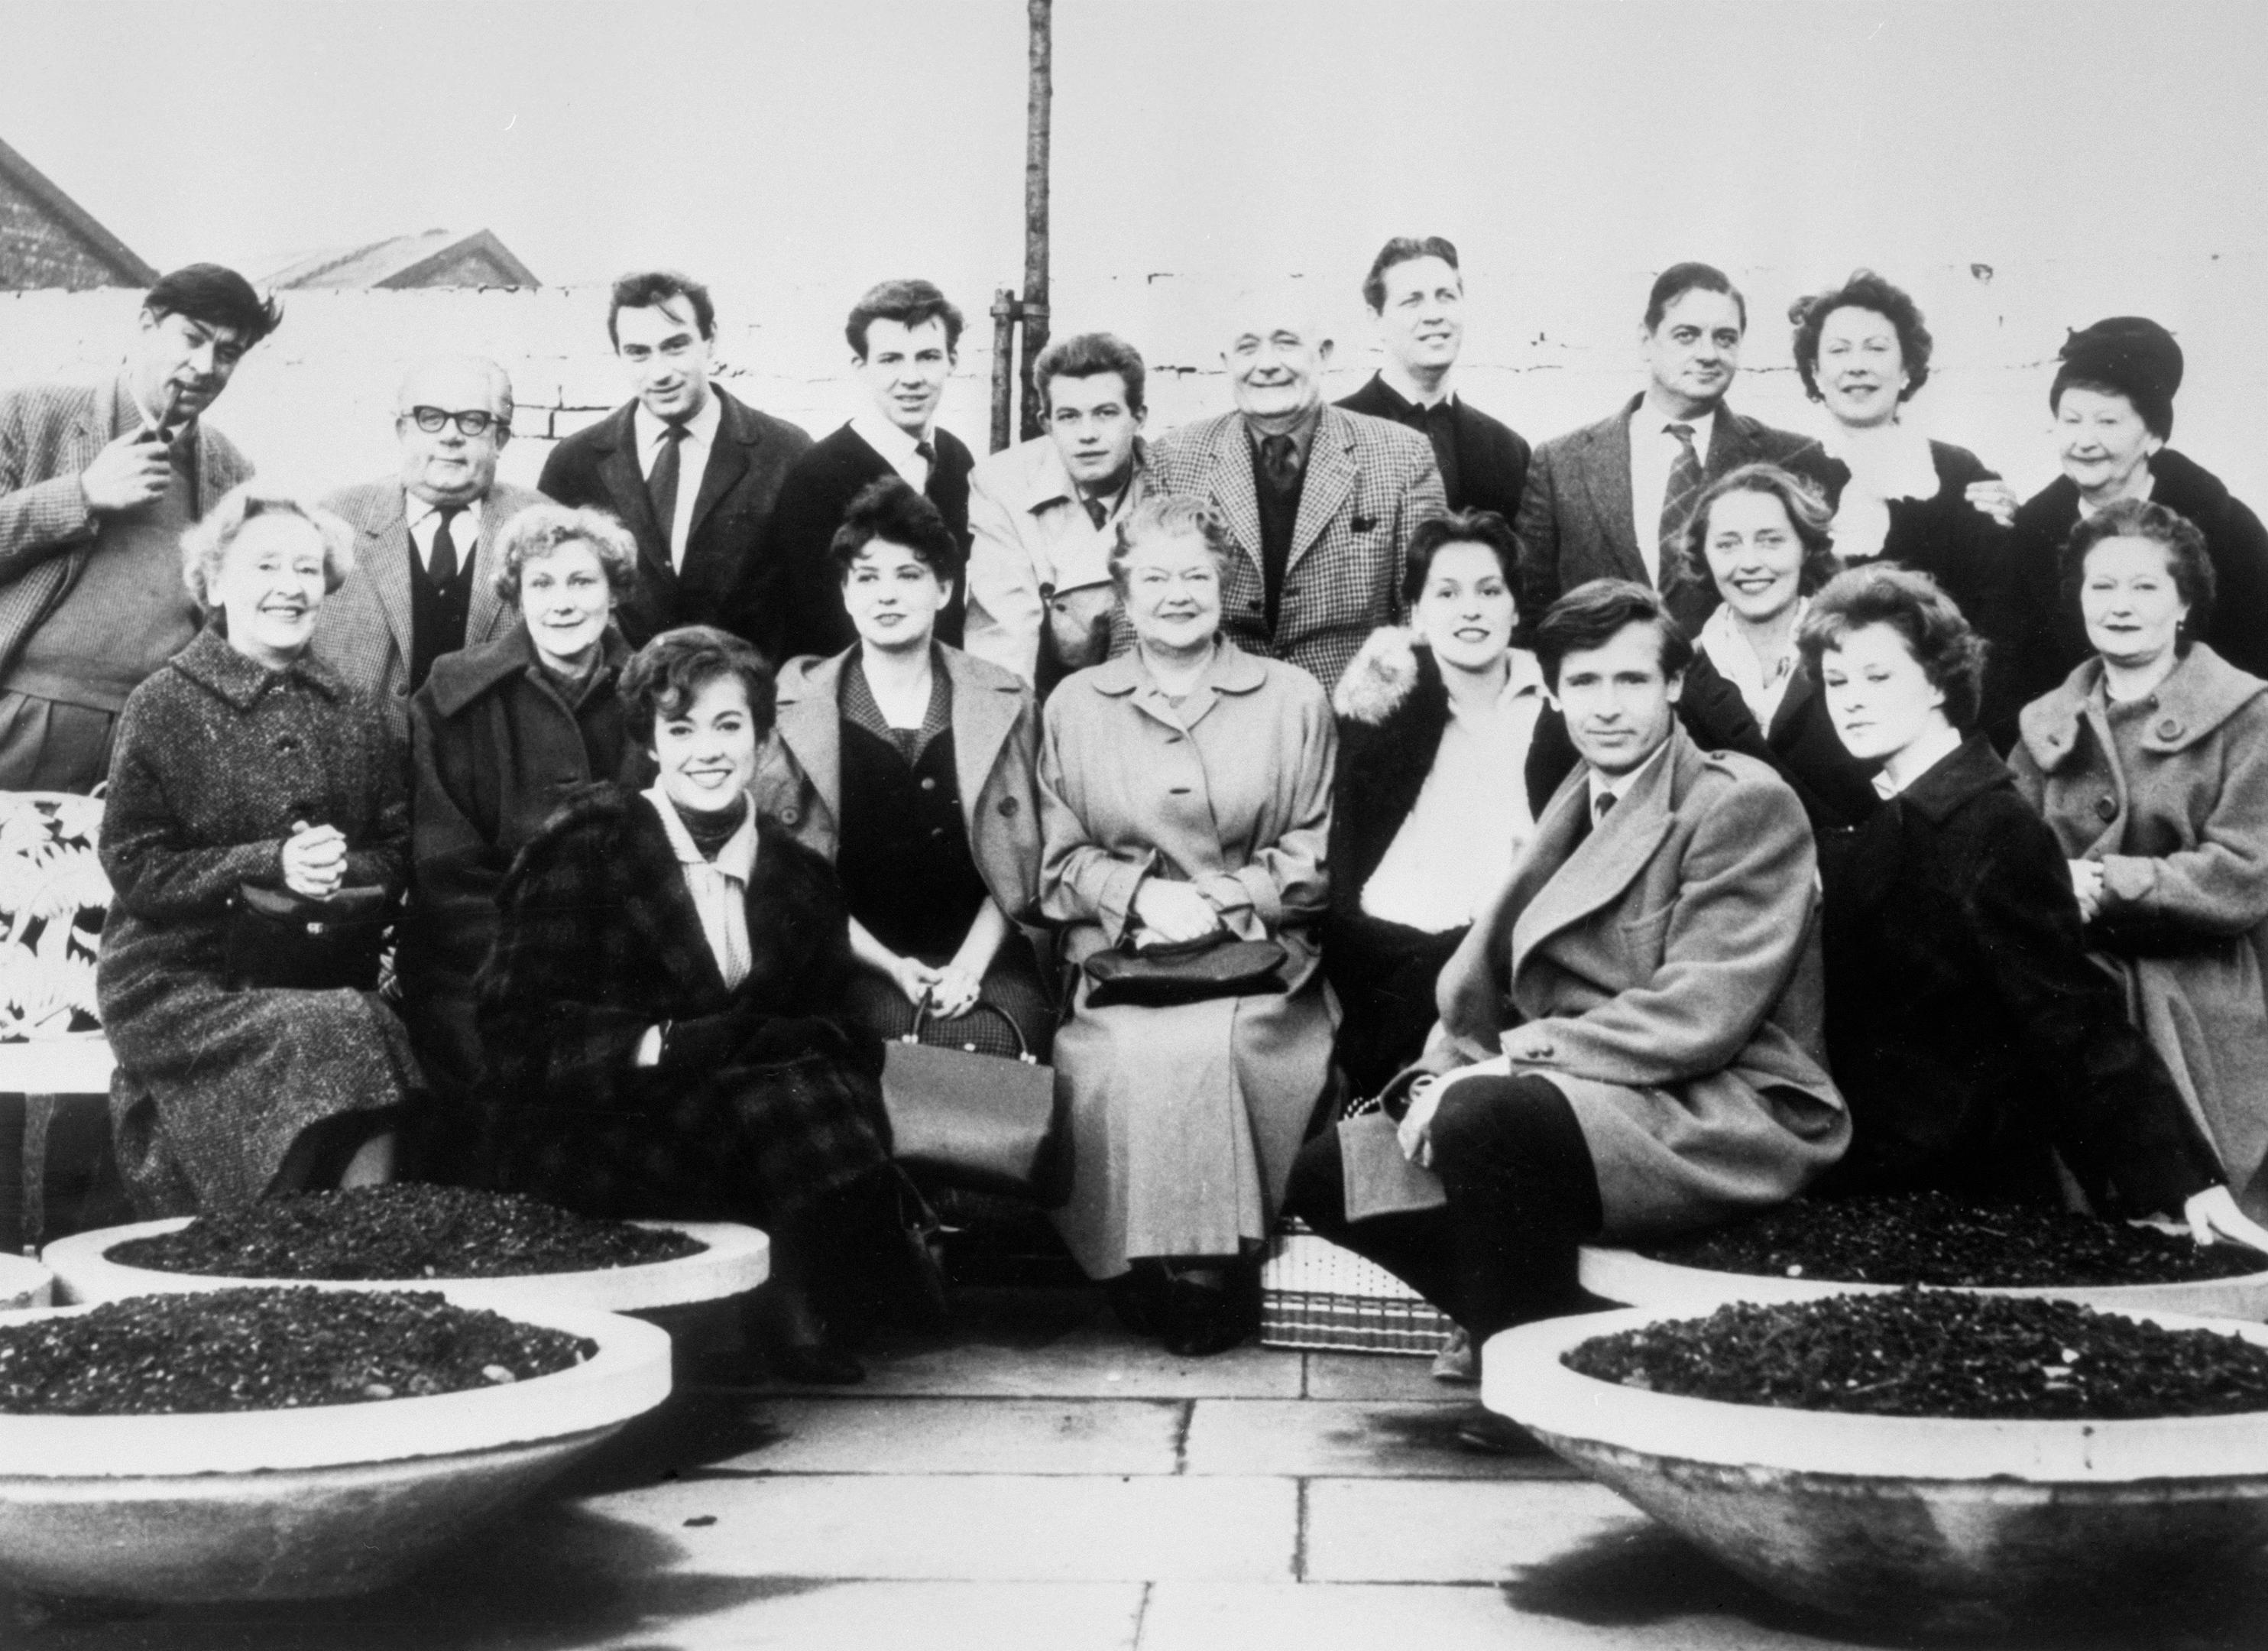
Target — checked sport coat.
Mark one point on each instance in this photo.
(1368, 485)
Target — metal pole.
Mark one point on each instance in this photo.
(1033, 307)
(1003, 364)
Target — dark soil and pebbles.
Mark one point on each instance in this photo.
(1930, 1239)
(264, 1350)
(407, 1230)
(1937, 1353)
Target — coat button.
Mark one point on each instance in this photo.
(790, 816)
(2106, 809)
(2169, 727)
(1255, 605)
(1007, 808)
(929, 785)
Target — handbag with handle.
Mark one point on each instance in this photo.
(982, 1122)
(304, 942)
(1216, 965)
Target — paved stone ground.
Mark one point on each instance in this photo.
(1034, 1478)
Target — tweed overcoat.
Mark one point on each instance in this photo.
(765, 1098)
(731, 575)
(215, 758)
(362, 630)
(1185, 1119)
(1663, 972)
(995, 729)
(495, 749)
(1367, 486)
(2183, 844)
(48, 434)
(1575, 523)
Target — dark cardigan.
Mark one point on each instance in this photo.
(1966, 1026)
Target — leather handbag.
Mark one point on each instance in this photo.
(1215, 966)
(306, 943)
(963, 1118)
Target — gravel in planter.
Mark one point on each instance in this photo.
(1927, 1238)
(264, 1350)
(405, 1230)
(1937, 1353)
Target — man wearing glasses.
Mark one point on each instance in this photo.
(422, 586)
(691, 471)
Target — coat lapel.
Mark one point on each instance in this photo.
(982, 716)
(1730, 445)
(481, 616)
(1800, 688)
(810, 726)
(728, 462)
(1603, 864)
(1231, 486)
(387, 551)
(1605, 463)
(626, 486)
(1331, 477)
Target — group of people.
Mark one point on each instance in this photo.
(1472, 849)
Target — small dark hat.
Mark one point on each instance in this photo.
(2131, 354)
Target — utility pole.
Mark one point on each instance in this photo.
(1033, 311)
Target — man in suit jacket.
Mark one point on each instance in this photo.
(1418, 292)
(1633, 1031)
(905, 338)
(694, 473)
(1043, 515)
(97, 484)
(1605, 501)
(423, 586)
(1321, 502)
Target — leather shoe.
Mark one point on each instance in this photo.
(1489, 1435)
(1201, 1318)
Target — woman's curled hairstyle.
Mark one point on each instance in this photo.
(205, 547)
(540, 529)
(2187, 560)
(1807, 513)
(663, 678)
(1459, 527)
(1948, 650)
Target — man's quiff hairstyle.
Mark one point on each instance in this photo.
(1596, 612)
(1406, 249)
(214, 296)
(1087, 355)
(1946, 647)
(908, 303)
(653, 289)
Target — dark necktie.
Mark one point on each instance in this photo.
(1677, 503)
(441, 566)
(927, 452)
(661, 485)
(1279, 462)
(1097, 511)
(1601, 806)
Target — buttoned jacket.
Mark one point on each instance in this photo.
(1368, 483)
(49, 433)
(995, 743)
(362, 629)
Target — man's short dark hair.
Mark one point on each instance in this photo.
(215, 297)
(650, 289)
(908, 303)
(1087, 355)
(1593, 614)
(1459, 527)
(1405, 249)
(1948, 650)
(1675, 282)
(663, 678)
(892, 510)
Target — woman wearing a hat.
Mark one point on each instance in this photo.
(2113, 401)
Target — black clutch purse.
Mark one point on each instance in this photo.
(1215, 966)
(299, 942)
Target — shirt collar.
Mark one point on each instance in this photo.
(737, 859)
(891, 442)
(701, 427)
(1060, 488)
(1523, 677)
(1403, 404)
(1915, 761)
(419, 512)
(1619, 785)
(1653, 422)
(1302, 434)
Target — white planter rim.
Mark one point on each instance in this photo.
(21, 1276)
(628, 1375)
(737, 1258)
(1522, 1378)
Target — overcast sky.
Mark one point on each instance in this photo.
(792, 136)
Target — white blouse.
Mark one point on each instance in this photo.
(1761, 686)
(1889, 462)
(720, 888)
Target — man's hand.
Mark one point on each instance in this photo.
(132, 470)
(1174, 912)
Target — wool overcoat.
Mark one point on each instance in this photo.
(2184, 843)
(215, 758)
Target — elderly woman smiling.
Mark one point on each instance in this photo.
(500, 733)
(2150, 764)
(1185, 795)
(246, 764)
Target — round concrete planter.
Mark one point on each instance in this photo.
(300, 1504)
(1636, 1280)
(23, 1284)
(1940, 1525)
(737, 1258)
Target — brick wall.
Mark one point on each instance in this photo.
(36, 252)
(1547, 349)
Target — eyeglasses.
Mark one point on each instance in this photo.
(471, 422)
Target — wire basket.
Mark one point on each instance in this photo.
(1315, 1294)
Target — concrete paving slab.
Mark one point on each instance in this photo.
(974, 1528)
(1449, 1530)
(1365, 1376)
(962, 1436)
(1317, 1438)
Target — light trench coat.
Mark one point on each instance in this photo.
(1185, 1119)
